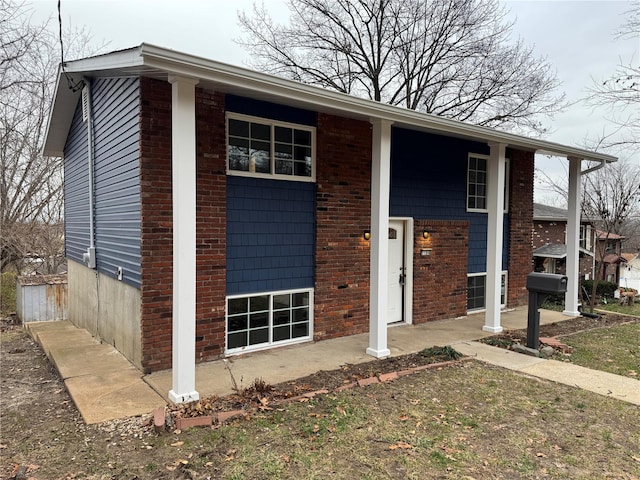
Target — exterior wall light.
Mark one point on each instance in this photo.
(425, 234)
(367, 235)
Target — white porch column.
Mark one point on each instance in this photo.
(573, 238)
(495, 222)
(378, 290)
(183, 179)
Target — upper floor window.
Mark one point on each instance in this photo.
(611, 247)
(585, 237)
(261, 147)
(477, 183)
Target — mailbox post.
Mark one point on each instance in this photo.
(540, 285)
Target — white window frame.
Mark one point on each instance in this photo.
(506, 184)
(272, 124)
(271, 343)
(505, 275)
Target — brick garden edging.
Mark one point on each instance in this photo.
(182, 423)
(556, 344)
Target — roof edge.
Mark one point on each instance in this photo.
(148, 57)
(192, 65)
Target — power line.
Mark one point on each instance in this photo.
(73, 85)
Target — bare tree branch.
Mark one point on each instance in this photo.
(619, 95)
(30, 184)
(446, 57)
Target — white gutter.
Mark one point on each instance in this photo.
(204, 69)
(594, 168)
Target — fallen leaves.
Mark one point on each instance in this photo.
(230, 455)
(400, 445)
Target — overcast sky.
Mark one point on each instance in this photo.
(576, 37)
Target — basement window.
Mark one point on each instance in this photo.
(260, 321)
(476, 291)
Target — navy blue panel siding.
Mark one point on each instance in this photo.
(270, 235)
(429, 181)
(76, 189)
(259, 108)
(116, 110)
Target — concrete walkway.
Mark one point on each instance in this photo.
(603, 383)
(101, 382)
(104, 385)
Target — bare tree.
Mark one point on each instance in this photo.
(30, 184)
(611, 200)
(447, 57)
(619, 94)
(611, 203)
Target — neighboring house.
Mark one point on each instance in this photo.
(609, 249)
(212, 210)
(630, 271)
(549, 242)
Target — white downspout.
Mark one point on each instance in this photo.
(90, 256)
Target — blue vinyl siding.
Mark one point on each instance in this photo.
(259, 108)
(429, 181)
(270, 235)
(76, 189)
(116, 110)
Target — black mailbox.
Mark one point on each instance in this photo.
(546, 282)
(540, 285)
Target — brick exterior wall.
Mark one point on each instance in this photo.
(156, 225)
(343, 197)
(546, 232)
(211, 225)
(342, 215)
(520, 226)
(440, 279)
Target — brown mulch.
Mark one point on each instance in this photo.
(559, 329)
(260, 394)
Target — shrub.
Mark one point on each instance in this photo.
(8, 293)
(605, 289)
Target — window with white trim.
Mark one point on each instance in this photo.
(268, 148)
(276, 318)
(477, 183)
(476, 290)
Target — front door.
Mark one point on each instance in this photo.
(397, 277)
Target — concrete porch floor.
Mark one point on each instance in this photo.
(287, 363)
(104, 385)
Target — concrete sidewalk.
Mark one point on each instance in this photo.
(101, 382)
(603, 383)
(104, 385)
